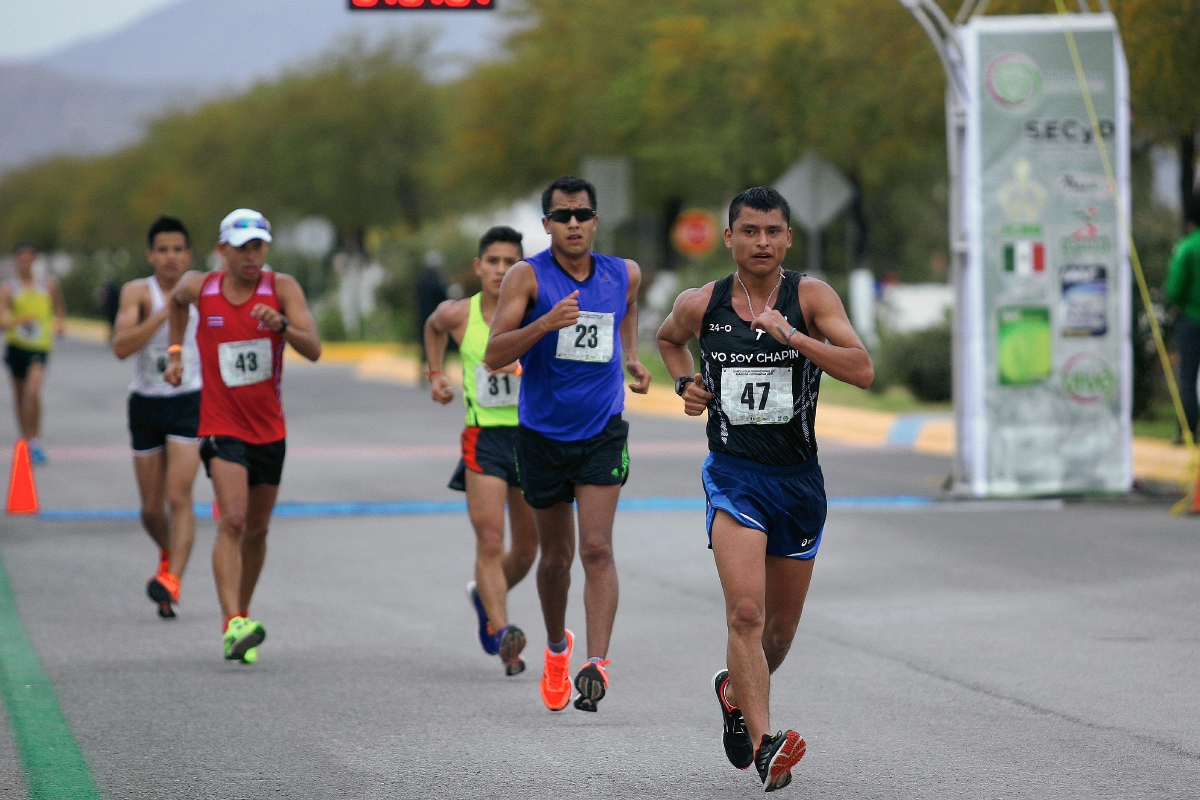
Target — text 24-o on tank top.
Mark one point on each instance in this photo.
(491, 399)
(766, 392)
(152, 359)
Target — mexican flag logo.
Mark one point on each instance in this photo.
(1025, 257)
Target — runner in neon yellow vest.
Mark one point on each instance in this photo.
(32, 313)
(488, 469)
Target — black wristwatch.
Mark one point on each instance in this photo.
(283, 330)
(680, 383)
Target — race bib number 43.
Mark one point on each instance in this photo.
(496, 390)
(589, 339)
(756, 395)
(245, 363)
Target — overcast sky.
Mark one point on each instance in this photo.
(30, 28)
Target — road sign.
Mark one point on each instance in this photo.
(816, 190)
(695, 232)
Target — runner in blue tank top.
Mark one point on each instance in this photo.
(570, 316)
(766, 335)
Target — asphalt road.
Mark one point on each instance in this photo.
(994, 651)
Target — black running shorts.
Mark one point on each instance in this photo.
(263, 462)
(153, 420)
(488, 451)
(550, 470)
(19, 360)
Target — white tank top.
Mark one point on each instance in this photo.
(152, 359)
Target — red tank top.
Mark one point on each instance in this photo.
(242, 364)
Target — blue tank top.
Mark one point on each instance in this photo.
(573, 380)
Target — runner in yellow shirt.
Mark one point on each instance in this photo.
(32, 312)
(488, 469)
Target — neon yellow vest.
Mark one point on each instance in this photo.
(37, 334)
(498, 388)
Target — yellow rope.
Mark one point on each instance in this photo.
(1189, 478)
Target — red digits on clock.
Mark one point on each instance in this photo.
(365, 3)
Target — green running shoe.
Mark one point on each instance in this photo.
(242, 634)
(250, 656)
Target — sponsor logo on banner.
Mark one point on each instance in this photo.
(1087, 239)
(1023, 199)
(1013, 81)
(1025, 257)
(1083, 186)
(1084, 300)
(1087, 378)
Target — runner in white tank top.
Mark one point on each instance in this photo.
(153, 359)
(162, 418)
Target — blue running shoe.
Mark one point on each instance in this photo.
(36, 454)
(489, 640)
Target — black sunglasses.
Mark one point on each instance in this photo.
(563, 215)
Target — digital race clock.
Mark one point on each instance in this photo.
(427, 5)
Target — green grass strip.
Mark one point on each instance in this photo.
(54, 765)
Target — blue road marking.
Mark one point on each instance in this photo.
(420, 507)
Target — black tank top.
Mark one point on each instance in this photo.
(726, 344)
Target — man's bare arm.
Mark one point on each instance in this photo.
(508, 340)
(833, 345)
(629, 331)
(130, 332)
(182, 296)
(60, 305)
(680, 327)
(448, 318)
(301, 331)
(6, 315)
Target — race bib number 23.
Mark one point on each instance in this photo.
(245, 363)
(589, 339)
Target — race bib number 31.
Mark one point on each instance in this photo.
(756, 395)
(496, 390)
(589, 339)
(245, 363)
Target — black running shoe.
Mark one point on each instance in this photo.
(592, 683)
(158, 591)
(738, 747)
(512, 642)
(776, 756)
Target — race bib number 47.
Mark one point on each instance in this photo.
(496, 390)
(757, 395)
(245, 363)
(589, 339)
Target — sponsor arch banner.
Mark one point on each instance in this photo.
(1044, 305)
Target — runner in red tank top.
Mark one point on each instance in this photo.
(246, 316)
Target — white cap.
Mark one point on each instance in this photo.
(242, 225)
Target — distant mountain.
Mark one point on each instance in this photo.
(44, 113)
(95, 95)
(222, 43)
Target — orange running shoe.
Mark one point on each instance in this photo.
(163, 589)
(556, 676)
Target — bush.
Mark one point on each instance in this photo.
(920, 361)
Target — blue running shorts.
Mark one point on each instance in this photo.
(786, 503)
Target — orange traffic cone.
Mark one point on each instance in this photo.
(22, 492)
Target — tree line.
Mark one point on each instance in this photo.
(704, 96)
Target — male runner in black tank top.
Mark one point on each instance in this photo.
(766, 335)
